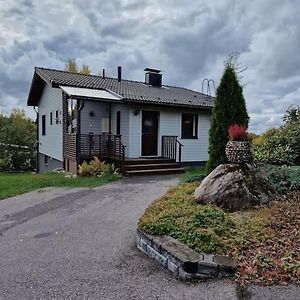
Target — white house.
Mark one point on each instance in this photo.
(144, 127)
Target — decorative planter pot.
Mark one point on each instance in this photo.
(238, 152)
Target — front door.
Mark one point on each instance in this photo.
(149, 132)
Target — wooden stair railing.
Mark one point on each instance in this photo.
(104, 146)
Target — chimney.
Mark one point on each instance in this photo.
(119, 73)
(103, 73)
(153, 77)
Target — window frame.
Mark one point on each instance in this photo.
(195, 123)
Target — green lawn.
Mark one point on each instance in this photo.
(192, 173)
(12, 184)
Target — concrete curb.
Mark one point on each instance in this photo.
(184, 262)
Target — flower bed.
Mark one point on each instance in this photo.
(264, 241)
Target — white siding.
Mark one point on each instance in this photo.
(51, 144)
(93, 124)
(135, 136)
(197, 150)
(170, 124)
(124, 123)
(101, 110)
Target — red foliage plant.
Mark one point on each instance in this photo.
(237, 132)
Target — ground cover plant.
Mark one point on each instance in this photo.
(264, 241)
(284, 178)
(193, 174)
(12, 184)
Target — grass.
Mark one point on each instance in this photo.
(12, 184)
(193, 174)
(265, 241)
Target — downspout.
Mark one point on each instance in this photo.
(79, 108)
(109, 123)
(37, 141)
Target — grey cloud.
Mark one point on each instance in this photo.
(188, 40)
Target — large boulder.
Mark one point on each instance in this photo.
(235, 187)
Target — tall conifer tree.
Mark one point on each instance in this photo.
(229, 108)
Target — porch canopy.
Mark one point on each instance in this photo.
(103, 94)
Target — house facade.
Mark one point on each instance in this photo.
(81, 116)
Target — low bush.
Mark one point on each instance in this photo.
(284, 178)
(280, 146)
(193, 178)
(109, 169)
(96, 168)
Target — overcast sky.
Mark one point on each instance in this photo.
(189, 40)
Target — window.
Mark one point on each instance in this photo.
(189, 126)
(118, 122)
(56, 117)
(51, 118)
(72, 116)
(43, 124)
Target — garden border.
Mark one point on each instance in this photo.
(181, 260)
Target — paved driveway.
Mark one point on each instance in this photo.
(80, 243)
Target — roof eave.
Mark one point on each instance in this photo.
(36, 88)
(167, 104)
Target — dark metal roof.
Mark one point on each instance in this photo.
(131, 91)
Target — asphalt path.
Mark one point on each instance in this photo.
(79, 243)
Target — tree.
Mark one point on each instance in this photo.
(292, 115)
(85, 70)
(71, 66)
(229, 108)
(18, 137)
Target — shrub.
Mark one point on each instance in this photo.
(237, 132)
(194, 177)
(284, 178)
(96, 168)
(17, 142)
(5, 164)
(229, 108)
(280, 146)
(109, 169)
(85, 169)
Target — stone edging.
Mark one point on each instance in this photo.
(184, 262)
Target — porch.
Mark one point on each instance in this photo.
(111, 148)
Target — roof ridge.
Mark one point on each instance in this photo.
(91, 75)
